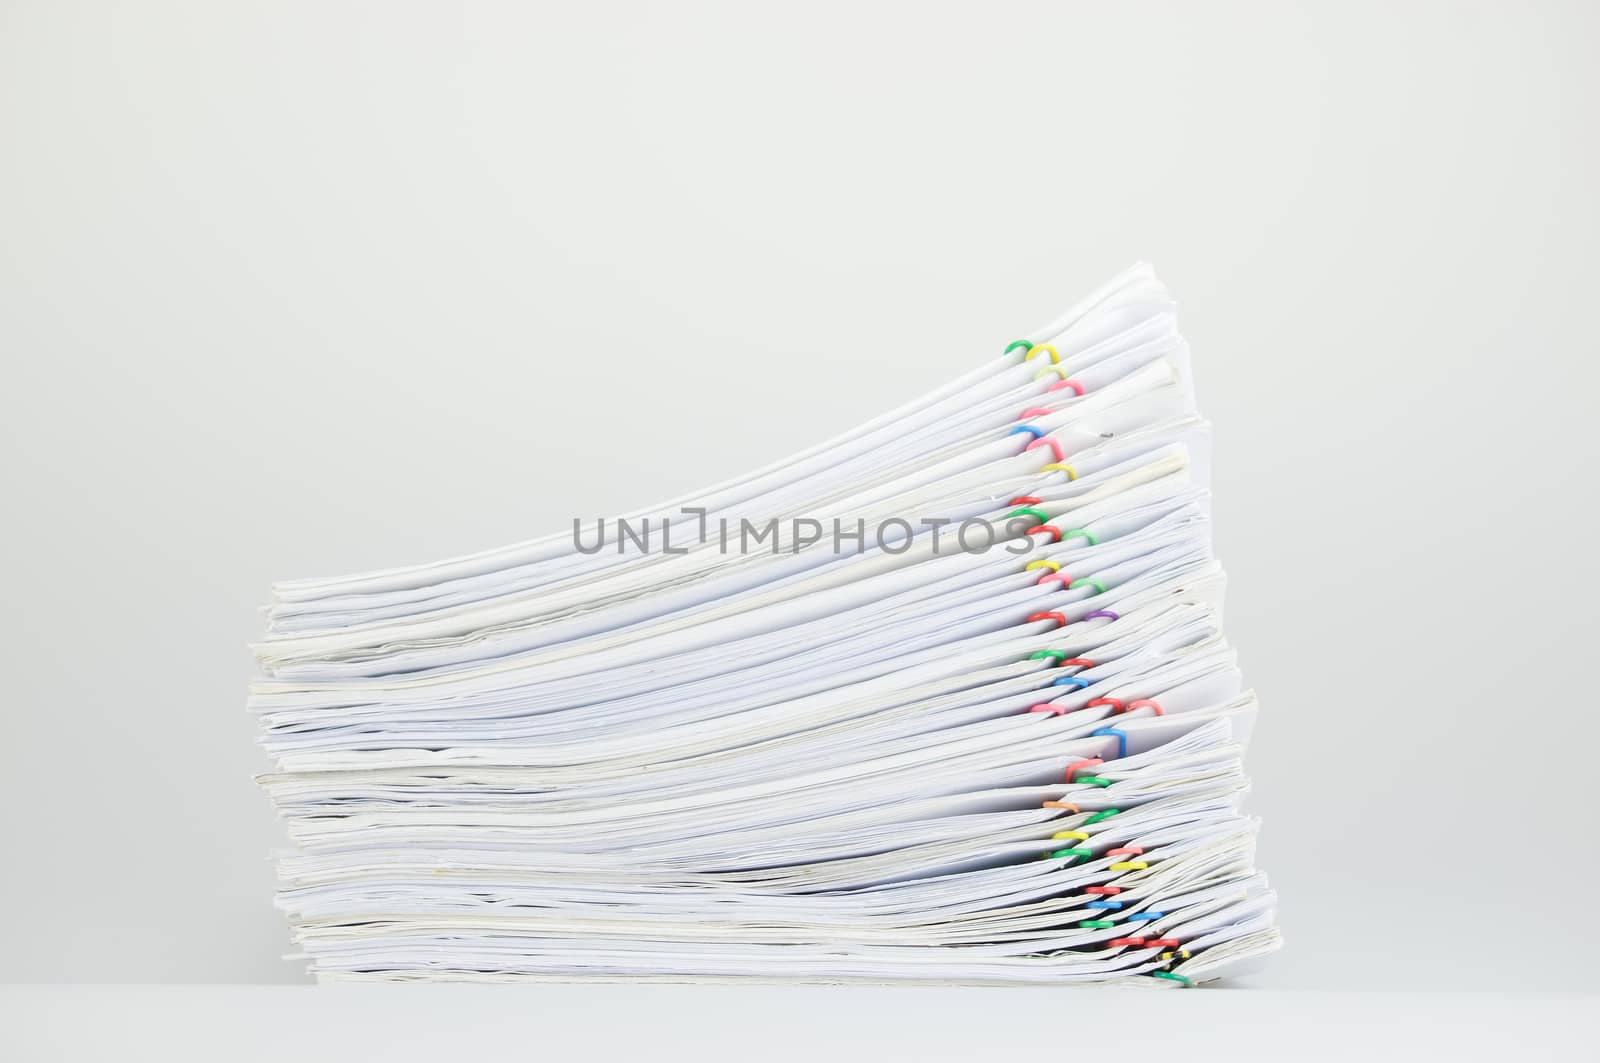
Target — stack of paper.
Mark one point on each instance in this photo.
(945, 698)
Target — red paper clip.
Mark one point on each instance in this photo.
(1073, 769)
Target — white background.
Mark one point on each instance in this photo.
(302, 288)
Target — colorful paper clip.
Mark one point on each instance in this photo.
(1112, 732)
(1077, 766)
(1047, 441)
(1027, 511)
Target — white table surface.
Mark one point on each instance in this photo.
(651, 1023)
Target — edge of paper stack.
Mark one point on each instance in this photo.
(875, 758)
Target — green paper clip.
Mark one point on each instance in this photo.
(1085, 853)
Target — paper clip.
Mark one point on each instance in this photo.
(1115, 703)
(1028, 428)
(1053, 566)
(1087, 581)
(1060, 619)
(1026, 345)
(1099, 613)
(1046, 348)
(1064, 383)
(1056, 466)
(1027, 511)
(1079, 533)
(1051, 528)
(1039, 655)
(1077, 766)
(1112, 732)
(1171, 977)
(1024, 500)
(1068, 805)
(1034, 411)
(1142, 703)
(1047, 441)
(1073, 681)
(1047, 370)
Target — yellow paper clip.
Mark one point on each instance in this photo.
(1053, 566)
(1047, 370)
(1130, 865)
(1056, 466)
(1080, 835)
(1046, 348)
